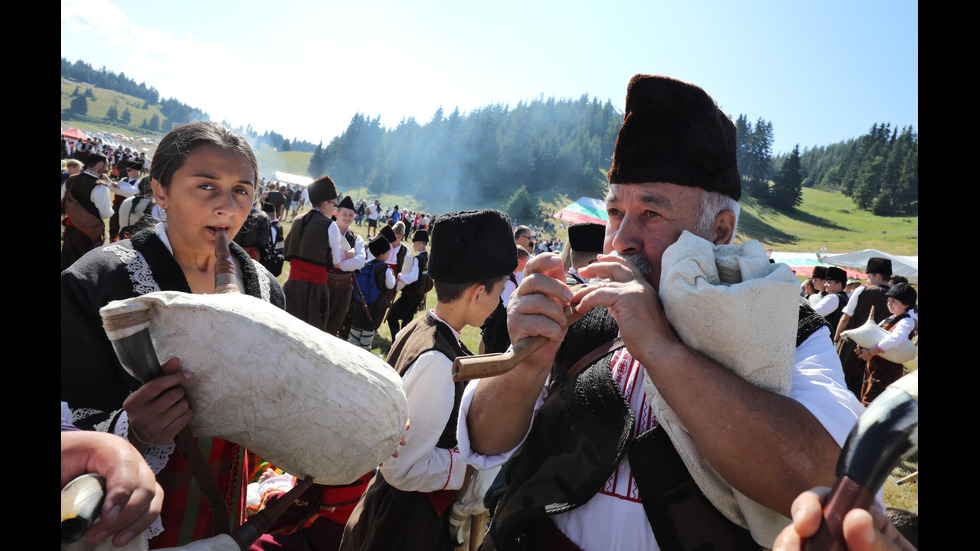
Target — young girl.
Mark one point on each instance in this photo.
(204, 177)
(900, 325)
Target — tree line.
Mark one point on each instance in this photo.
(879, 170)
(481, 158)
(497, 155)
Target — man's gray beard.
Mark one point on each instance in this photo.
(639, 261)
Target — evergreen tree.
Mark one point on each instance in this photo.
(787, 188)
(521, 207)
(112, 113)
(284, 146)
(126, 116)
(743, 137)
(154, 123)
(317, 162)
(78, 106)
(760, 150)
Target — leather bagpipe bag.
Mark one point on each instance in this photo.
(308, 402)
(734, 306)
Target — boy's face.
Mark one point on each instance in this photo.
(488, 302)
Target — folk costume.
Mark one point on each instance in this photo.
(627, 474)
(399, 261)
(92, 205)
(583, 239)
(417, 284)
(819, 272)
(340, 277)
(831, 306)
(600, 451)
(880, 372)
(865, 301)
(408, 505)
(94, 384)
(125, 188)
(136, 207)
(366, 314)
(312, 247)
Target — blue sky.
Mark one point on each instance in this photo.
(820, 72)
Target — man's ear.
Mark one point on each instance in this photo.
(723, 228)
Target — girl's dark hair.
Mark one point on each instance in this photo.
(179, 142)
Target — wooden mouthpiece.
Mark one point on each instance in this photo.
(224, 268)
(467, 368)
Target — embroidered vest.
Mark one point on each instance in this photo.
(579, 436)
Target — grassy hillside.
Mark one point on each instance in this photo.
(827, 219)
(293, 162)
(94, 121)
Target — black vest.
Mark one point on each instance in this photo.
(834, 317)
(423, 334)
(579, 436)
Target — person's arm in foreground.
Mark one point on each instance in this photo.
(863, 530)
(502, 407)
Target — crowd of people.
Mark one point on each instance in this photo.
(569, 449)
(887, 299)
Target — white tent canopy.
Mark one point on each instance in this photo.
(292, 179)
(907, 266)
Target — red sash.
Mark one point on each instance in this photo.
(305, 271)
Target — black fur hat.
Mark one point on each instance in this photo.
(379, 245)
(346, 203)
(322, 189)
(904, 293)
(587, 237)
(472, 245)
(836, 274)
(878, 265)
(421, 235)
(673, 132)
(388, 233)
(820, 272)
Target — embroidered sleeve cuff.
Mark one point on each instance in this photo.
(457, 470)
(156, 455)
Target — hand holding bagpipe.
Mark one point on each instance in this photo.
(161, 409)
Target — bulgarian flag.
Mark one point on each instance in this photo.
(585, 210)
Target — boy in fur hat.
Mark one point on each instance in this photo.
(367, 311)
(340, 276)
(407, 505)
(584, 245)
(831, 305)
(313, 246)
(415, 281)
(880, 372)
(866, 302)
